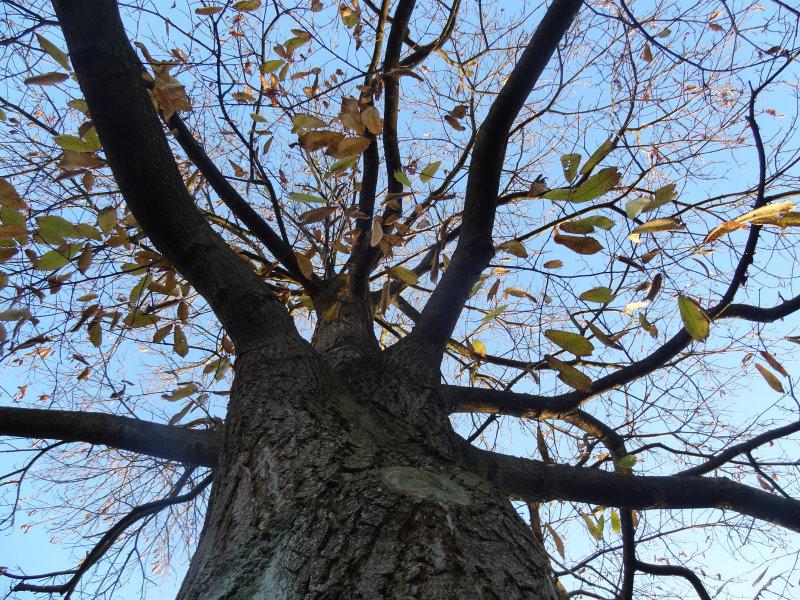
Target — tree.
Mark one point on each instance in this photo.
(334, 227)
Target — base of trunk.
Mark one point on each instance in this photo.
(398, 532)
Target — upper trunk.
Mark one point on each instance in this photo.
(353, 486)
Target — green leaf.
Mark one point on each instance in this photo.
(58, 55)
(306, 198)
(139, 319)
(663, 195)
(587, 224)
(79, 104)
(493, 314)
(594, 187)
(695, 319)
(74, 143)
(87, 232)
(270, 66)
(601, 295)
(107, 219)
(54, 229)
(571, 342)
(570, 163)
(402, 178)
(597, 156)
(54, 259)
(342, 164)
(635, 206)
(429, 171)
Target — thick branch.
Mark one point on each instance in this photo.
(137, 151)
(759, 314)
(233, 200)
(534, 481)
(675, 571)
(485, 400)
(367, 255)
(422, 52)
(162, 441)
(475, 248)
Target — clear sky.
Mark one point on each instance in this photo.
(733, 564)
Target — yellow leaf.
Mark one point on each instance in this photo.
(770, 210)
(9, 198)
(305, 265)
(54, 51)
(479, 348)
(332, 312)
(208, 10)
(95, 335)
(514, 247)
(594, 530)
(695, 319)
(307, 122)
(556, 540)
(770, 378)
(247, 5)
(667, 224)
(773, 362)
(407, 276)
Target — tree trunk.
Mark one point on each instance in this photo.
(331, 485)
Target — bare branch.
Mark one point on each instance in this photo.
(162, 441)
(534, 481)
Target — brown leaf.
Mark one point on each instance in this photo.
(317, 214)
(47, 79)
(579, 244)
(372, 119)
(773, 362)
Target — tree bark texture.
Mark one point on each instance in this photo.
(331, 485)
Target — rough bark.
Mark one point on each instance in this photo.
(334, 485)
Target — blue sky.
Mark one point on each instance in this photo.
(746, 397)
